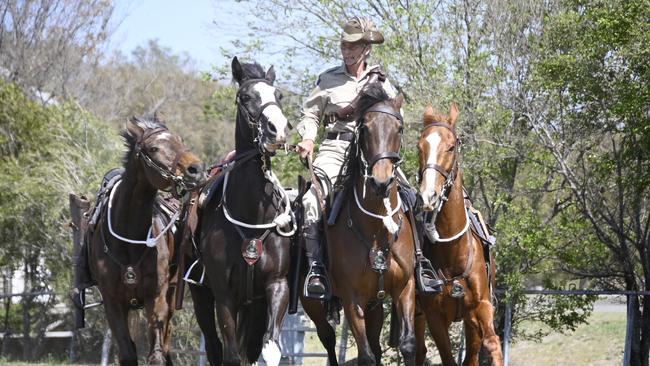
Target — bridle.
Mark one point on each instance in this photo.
(450, 176)
(255, 121)
(177, 184)
(394, 156)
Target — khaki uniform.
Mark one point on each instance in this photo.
(335, 89)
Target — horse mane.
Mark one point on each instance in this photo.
(147, 122)
(252, 70)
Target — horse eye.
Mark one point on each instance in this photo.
(452, 148)
(153, 149)
(279, 96)
(244, 97)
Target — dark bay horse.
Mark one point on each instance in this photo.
(370, 247)
(131, 247)
(244, 234)
(455, 250)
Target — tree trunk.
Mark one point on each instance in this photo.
(27, 301)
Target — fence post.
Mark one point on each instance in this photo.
(106, 347)
(506, 333)
(631, 310)
(343, 346)
(202, 349)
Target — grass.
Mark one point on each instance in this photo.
(599, 343)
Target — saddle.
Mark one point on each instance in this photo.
(477, 224)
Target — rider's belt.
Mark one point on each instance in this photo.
(345, 136)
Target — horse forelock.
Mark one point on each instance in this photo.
(147, 123)
(252, 71)
(372, 95)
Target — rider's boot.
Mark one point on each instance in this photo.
(426, 279)
(83, 279)
(317, 285)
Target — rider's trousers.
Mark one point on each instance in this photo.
(329, 160)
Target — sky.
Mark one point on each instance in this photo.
(198, 27)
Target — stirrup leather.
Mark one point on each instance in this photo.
(317, 270)
(426, 279)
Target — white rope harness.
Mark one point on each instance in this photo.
(387, 219)
(282, 220)
(151, 241)
(432, 232)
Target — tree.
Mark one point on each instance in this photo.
(595, 124)
(44, 42)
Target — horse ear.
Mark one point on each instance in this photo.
(237, 70)
(429, 115)
(398, 101)
(453, 113)
(133, 127)
(160, 117)
(270, 75)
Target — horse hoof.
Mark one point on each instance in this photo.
(271, 353)
(157, 358)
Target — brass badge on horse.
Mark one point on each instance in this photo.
(379, 259)
(251, 250)
(129, 276)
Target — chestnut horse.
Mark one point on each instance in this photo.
(244, 234)
(454, 249)
(131, 248)
(370, 247)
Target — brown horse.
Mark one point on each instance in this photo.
(131, 246)
(454, 249)
(370, 247)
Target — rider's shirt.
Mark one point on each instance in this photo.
(334, 90)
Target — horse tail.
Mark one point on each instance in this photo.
(393, 338)
(251, 327)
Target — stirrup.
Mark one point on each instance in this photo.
(78, 298)
(426, 280)
(317, 270)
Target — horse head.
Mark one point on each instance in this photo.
(438, 155)
(259, 102)
(380, 136)
(163, 157)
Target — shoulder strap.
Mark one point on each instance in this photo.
(376, 74)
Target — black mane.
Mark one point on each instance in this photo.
(129, 141)
(372, 95)
(252, 71)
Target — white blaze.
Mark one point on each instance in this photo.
(273, 113)
(431, 175)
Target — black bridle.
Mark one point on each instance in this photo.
(255, 121)
(394, 156)
(178, 187)
(450, 176)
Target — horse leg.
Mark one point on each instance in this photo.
(277, 293)
(439, 329)
(355, 314)
(420, 337)
(117, 317)
(316, 312)
(472, 339)
(203, 301)
(227, 317)
(374, 320)
(405, 305)
(491, 341)
(158, 316)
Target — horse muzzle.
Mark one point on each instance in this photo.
(195, 175)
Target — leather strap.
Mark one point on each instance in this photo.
(347, 111)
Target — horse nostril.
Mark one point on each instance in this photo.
(195, 169)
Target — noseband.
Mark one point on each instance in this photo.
(254, 122)
(450, 176)
(177, 183)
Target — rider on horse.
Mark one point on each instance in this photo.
(333, 100)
